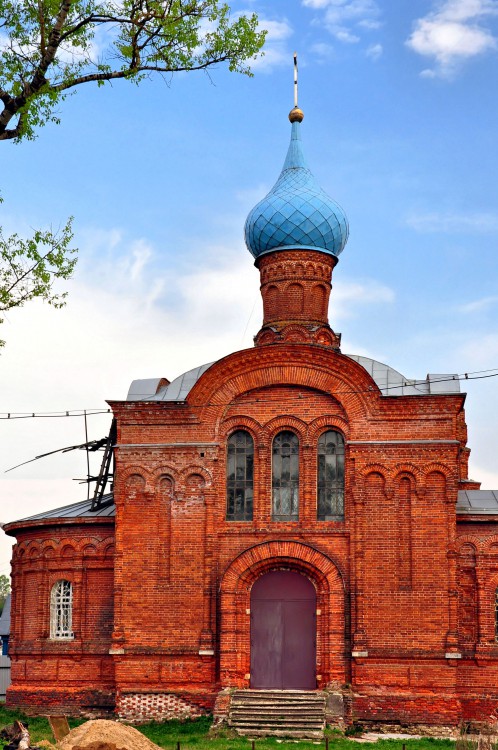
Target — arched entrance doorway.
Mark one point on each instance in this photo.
(283, 632)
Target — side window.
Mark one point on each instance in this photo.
(240, 463)
(61, 610)
(285, 477)
(330, 505)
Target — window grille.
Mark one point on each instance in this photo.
(330, 506)
(240, 476)
(61, 610)
(285, 477)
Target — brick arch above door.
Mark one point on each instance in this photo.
(235, 596)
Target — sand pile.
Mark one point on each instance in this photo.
(102, 734)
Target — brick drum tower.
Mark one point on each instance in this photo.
(289, 518)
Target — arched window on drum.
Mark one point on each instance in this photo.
(240, 476)
(285, 477)
(330, 505)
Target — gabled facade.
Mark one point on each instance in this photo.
(287, 517)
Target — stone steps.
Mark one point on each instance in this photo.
(298, 714)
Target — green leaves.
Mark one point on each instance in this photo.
(29, 268)
(49, 47)
(55, 45)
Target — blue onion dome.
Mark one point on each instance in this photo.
(296, 214)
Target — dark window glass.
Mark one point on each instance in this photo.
(285, 477)
(331, 476)
(240, 461)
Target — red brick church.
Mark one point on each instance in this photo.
(289, 518)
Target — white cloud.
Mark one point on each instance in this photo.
(453, 222)
(453, 33)
(276, 51)
(316, 4)
(129, 318)
(482, 351)
(277, 30)
(479, 305)
(322, 50)
(369, 23)
(488, 479)
(374, 51)
(126, 318)
(350, 296)
(343, 34)
(343, 18)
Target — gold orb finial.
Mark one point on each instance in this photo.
(296, 115)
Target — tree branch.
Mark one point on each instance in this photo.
(28, 271)
(41, 19)
(152, 36)
(141, 69)
(53, 43)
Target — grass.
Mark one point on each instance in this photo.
(194, 735)
(39, 728)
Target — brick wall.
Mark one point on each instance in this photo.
(399, 594)
(53, 675)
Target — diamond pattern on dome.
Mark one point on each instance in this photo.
(296, 212)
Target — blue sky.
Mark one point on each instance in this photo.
(400, 128)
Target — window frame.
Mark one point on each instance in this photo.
(245, 485)
(292, 483)
(61, 610)
(333, 490)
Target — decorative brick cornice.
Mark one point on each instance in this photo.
(58, 546)
(295, 333)
(312, 367)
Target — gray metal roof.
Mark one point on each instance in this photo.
(393, 383)
(141, 389)
(390, 381)
(5, 618)
(478, 502)
(75, 510)
(177, 390)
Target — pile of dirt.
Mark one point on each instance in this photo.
(102, 734)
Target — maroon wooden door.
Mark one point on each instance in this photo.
(283, 632)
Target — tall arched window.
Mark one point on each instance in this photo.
(61, 610)
(330, 477)
(285, 477)
(240, 462)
